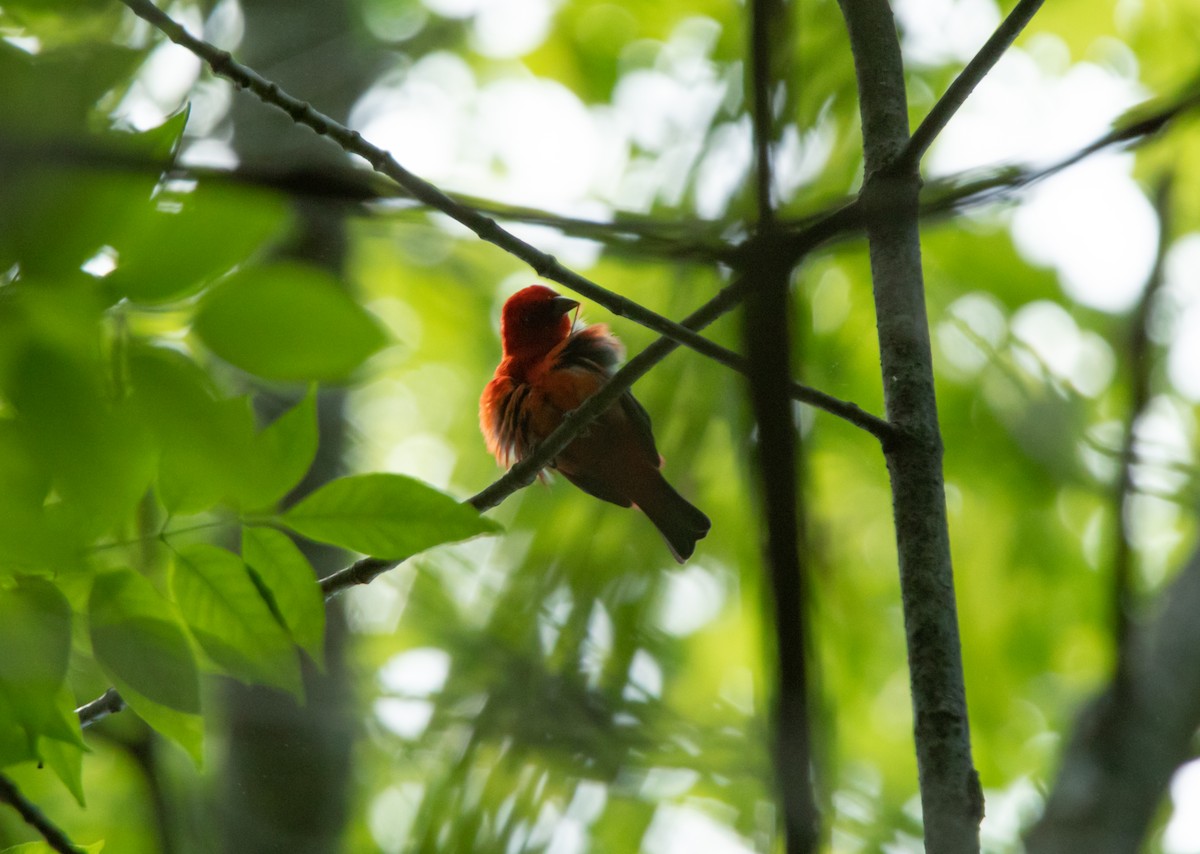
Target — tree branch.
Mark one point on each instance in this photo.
(35, 818)
(767, 336)
(108, 703)
(967, 80)
(951, 798)
(486, 228)
(526, 470)
(1136, 127)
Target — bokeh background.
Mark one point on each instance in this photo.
(565, 687)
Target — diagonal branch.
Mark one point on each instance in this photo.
(526, 471)
(967, 80)
(486, 228)
(35, 818)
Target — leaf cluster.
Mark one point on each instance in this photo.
(148, 532)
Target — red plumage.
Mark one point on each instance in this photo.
(548, 370)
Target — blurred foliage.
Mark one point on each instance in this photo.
(564, 686)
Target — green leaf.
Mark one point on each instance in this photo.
(162, 142)
(54, 221)
(388, 516)
(66, 761)
(171, 247)
(135, 638)
(15, 743)
(26, 538)
(230, 619)
(44, 848)
(99, 456)
(184, 728)
(55, 92)
(287, 322)
(289, 578)
(280, 455)
(205, 443)
(35, 635)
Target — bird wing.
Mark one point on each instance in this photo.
(639, 420)
(504, 418)
(597, 352)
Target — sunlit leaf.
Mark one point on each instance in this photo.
(204, 442)
(98, 455)
(66, 761)
(230, 620)
(280, 455)
(384, 515)
(289, 578)
(183, 728)
(45, 848)
(162, 142)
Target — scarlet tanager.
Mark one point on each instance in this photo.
(548, 369)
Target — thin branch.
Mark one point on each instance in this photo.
(35, 818)
(526, 470)
(941, 196)
(486, 228)
(968, 189)
(967, 80)
(108, 703)
(1139, 357)
(683, 239)
(951, 796)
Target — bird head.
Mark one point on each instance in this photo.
(534, 321)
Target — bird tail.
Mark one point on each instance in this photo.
(680, 523)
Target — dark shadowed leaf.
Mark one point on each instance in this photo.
(35, 636)
(135, 638)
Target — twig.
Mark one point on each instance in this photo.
(35, 818)
(951, 796)
(967, 80)
(108, 703)
(961, 191)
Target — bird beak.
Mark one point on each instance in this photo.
(564, 304)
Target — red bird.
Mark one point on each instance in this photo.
(548, 370)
